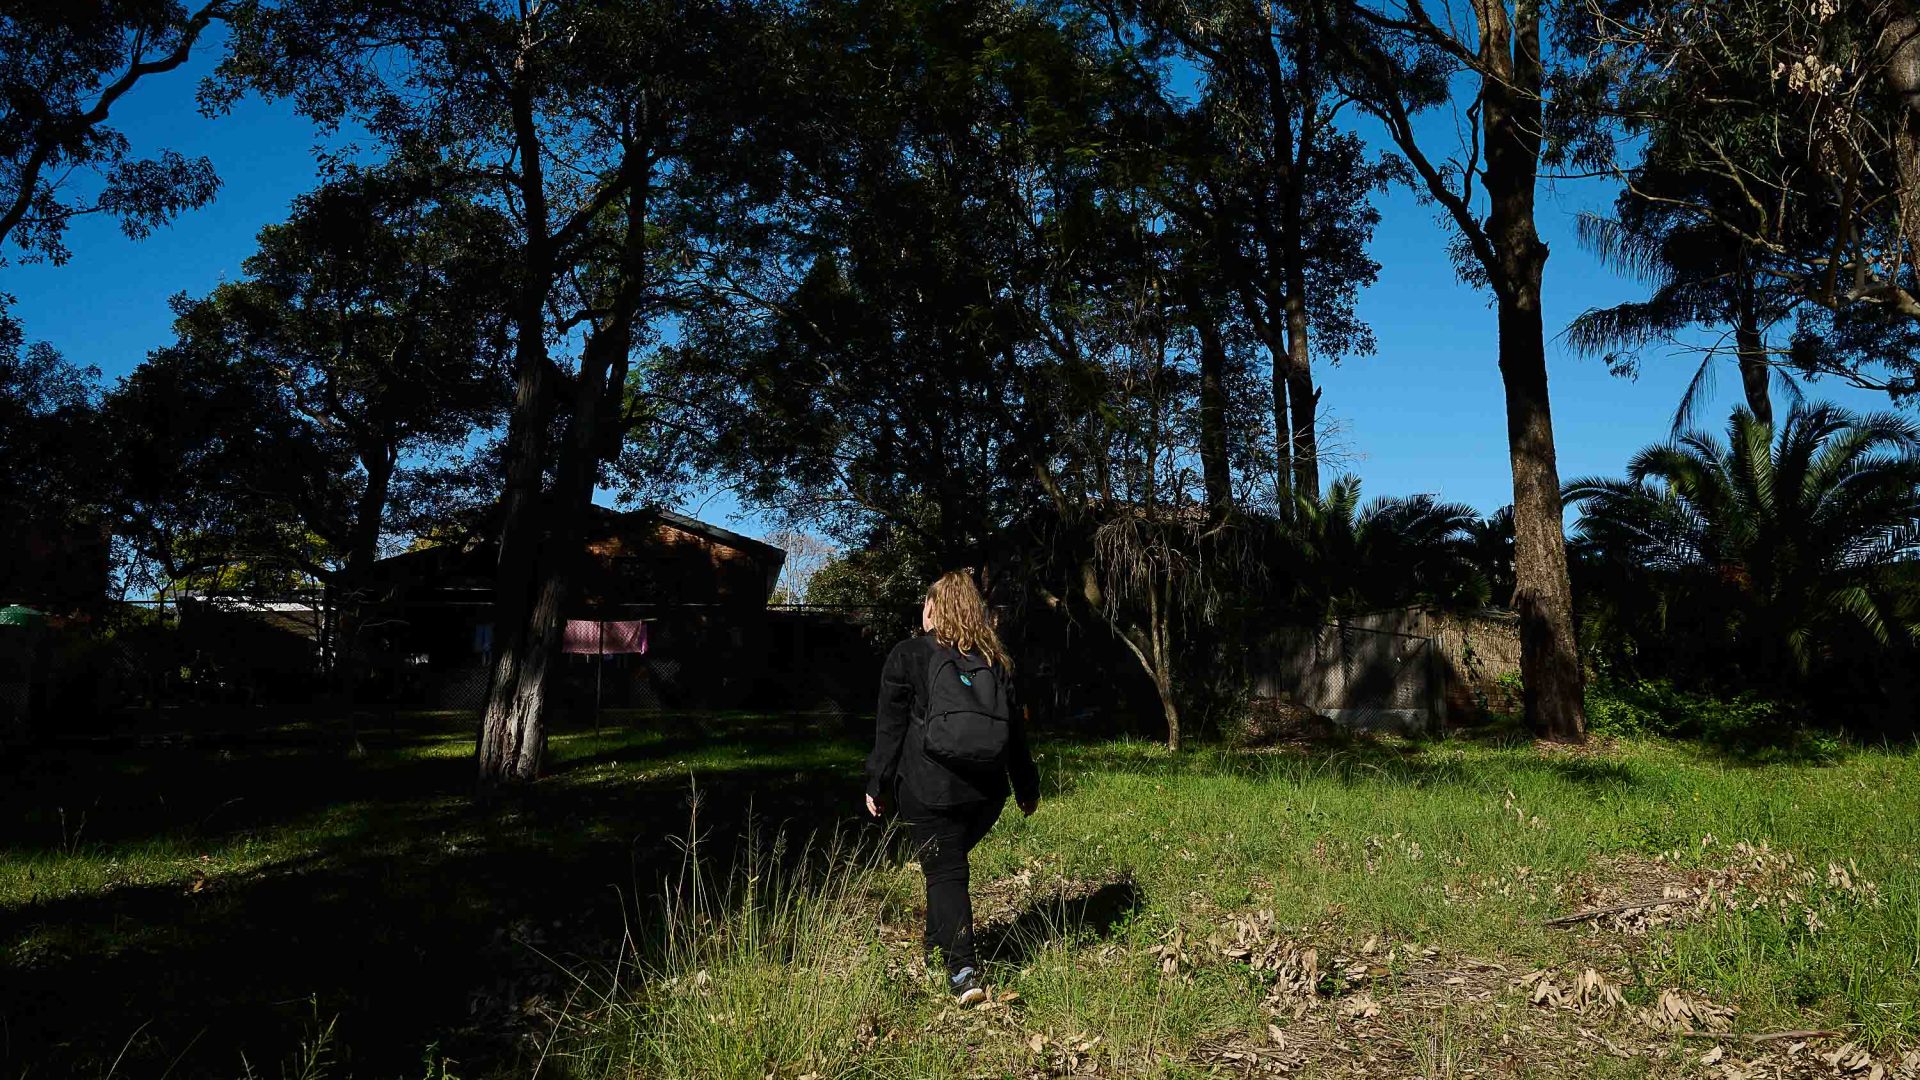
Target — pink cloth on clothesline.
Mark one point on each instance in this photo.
(590, 637)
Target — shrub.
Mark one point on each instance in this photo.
(1746, 723)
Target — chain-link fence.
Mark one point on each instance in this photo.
(1361, 677)
(218, 662)
(196, 658)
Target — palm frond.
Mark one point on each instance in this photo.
(1787, 387)
(1694, 401)
(1859, 604)
(1629, 326)
(1634, 253)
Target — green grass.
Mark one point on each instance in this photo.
(179, 907)
(1373, 841)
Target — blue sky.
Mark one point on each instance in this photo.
(1424, 414)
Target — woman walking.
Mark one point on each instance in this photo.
(947, 735)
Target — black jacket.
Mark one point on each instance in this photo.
(899, 728)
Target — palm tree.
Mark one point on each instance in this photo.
(1490, 547)
(1792, 543)
(1699, 275)
(1387, 553)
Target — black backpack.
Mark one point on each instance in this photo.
(966, 712)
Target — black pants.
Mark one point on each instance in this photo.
(942, 838)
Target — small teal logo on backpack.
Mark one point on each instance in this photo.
(965, 679)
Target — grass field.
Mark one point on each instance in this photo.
(275, 907)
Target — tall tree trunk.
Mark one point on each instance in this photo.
(1278, 351)
(1543, 597)
(511, 751)
(1755, 372)
(512, 735)
(351, 592)
(1215, 465)
(1286, 257)
(1750, 342)
(1898, 51)
(1216, 468)
(1302, 398)
(1511, 110)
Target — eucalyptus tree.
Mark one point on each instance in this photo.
(973, 337)
(588, 122)
(1282, 193)
(367, 336)
(1199, 290)
(911, 345)
(63, 69)
(1399, 52)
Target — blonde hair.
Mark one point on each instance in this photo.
(961, 620)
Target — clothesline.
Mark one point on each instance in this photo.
(591, 637)
(605, 638)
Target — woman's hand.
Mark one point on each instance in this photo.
(873, 806)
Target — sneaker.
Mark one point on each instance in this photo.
(966, 988)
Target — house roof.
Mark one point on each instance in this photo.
(600, 518)
(697, 527)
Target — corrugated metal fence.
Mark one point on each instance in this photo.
(1361, 677)
(1410, 671)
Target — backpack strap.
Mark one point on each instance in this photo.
(938, 658)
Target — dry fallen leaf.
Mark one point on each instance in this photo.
(1593, 991)
(1545, 993)
(1361, 1007)
(1713, 1056)
(1279, 1037)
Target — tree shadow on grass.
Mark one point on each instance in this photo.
(1068, 916)
(60, 798)
(207, 790)
(1354, 760)
(424, 921)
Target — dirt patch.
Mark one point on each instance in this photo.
(1634, 895)
(1594, 747)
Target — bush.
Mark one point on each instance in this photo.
(1263, 722)
(1747, 723)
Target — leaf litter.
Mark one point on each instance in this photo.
(1393, 1008)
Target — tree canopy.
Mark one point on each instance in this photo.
(67, 66)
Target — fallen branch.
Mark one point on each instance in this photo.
(1771, 1036)
(1583, 916)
